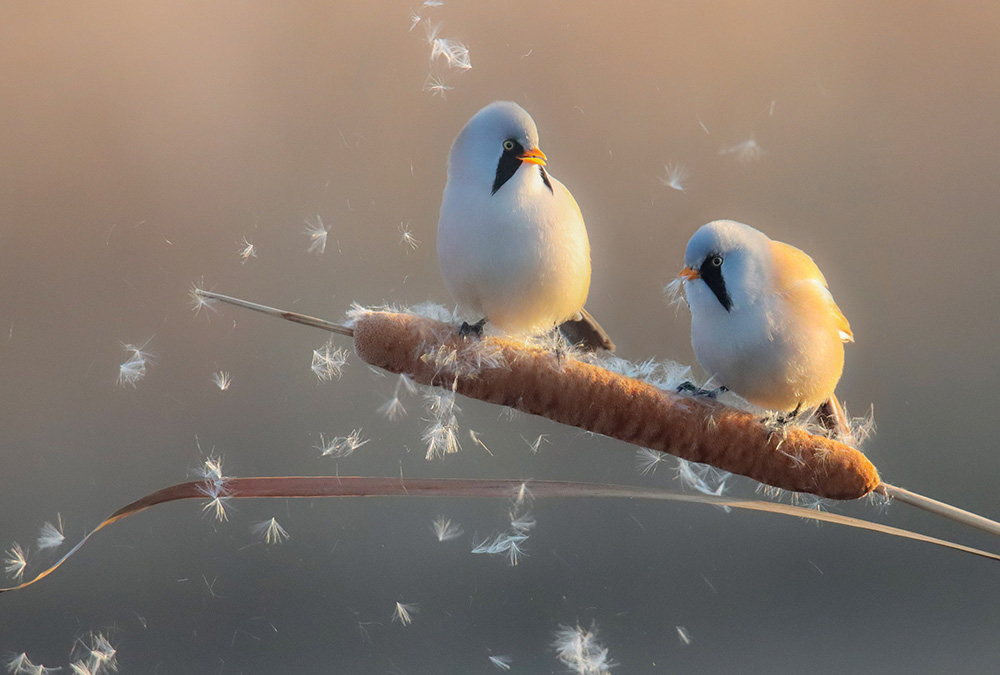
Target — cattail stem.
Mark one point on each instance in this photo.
(294, 317)
(940, 508)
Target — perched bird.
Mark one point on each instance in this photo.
(512, 245)
(763, 322)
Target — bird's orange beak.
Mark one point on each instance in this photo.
(689, 274)
(534, 156)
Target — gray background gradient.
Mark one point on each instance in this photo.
(142, 141)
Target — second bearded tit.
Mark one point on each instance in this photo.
(512, 245)
(763, 322)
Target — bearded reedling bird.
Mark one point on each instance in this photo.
(512, 245)
(763, 322)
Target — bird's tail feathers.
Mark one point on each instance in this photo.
(585, 332)
(832, 417)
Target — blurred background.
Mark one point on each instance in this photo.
(144, 146)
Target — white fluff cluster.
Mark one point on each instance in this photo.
(51, 535)
(222, 380)
(501, 661)
(577, 648)
(436, 85)
(445, 530)
(404, 613)
(703, 478)
(509, 542)
(746, 152)
(441, 435)
(675, 176)
(393, 408)
(674, 293)
(199, 301)
(247, 250)
(15, 561)
(661, 374)
(135, 366)
(454, 53)
(214, 487)
(93, 655)
(406, 237)
(447, 54)
(317, 232)
(270, 531)
(328, 362)
(341, 446)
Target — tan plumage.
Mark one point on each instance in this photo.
(796, 275)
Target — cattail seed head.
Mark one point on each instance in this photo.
(563, 389)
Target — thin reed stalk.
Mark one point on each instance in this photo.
(311, 487)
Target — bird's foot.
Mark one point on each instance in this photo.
(779, 422)
(560, 346)
(776, 425)
(691, 389)
(468, 329)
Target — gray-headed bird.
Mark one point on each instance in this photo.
(512, 245)
(763, 321)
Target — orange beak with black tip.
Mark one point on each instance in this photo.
(534, 156)
(689, 274)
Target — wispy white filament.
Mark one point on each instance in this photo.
(51, 535)
(579, 650)
(222, 380)
(135, 366)
(502, 662)
(445, 530)
(341, 446)
(16, 561)
(404, 613)
(406, 237)
(746, 152)
(317, 233)
(675, 176)
(246, 251)
(328, 361)
(270, 531)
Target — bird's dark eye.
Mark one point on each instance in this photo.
(717, 261)
(508, 145)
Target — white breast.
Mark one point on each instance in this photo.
(519, 257)
(768, 356)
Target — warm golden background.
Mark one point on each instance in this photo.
(140, 142)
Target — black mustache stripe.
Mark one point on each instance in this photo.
(507, 166)
(545, 179)
(712, 275)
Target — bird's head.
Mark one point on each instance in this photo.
(493, 145)
(727, 266)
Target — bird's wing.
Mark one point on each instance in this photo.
(799, 279)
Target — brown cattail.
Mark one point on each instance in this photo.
(566, 390)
